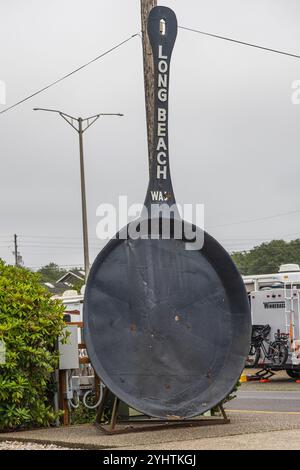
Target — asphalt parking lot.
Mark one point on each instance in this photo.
(264, 400)
(280, 394)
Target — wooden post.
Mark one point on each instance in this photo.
(146, 7)
(63, 404)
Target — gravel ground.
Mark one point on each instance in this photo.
(15, 445)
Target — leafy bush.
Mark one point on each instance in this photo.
(82, 415)
(30, 323)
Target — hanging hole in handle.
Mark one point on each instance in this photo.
(162, 27)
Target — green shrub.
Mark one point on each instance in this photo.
(30, 323)
(82, 415)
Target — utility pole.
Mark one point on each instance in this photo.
(81, 125)
(83, 202)
(16, 249)
(146, 7)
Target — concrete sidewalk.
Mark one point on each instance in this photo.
(272, 440)
(247, 430)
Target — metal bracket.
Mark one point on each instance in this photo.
(114, 424)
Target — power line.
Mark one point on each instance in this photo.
(58, 243)
(283, 214)
(56, 237)
(224, 38)
(52, 242)
(63, 247)
(261, 239)
(204, 33)
(258, 219)
(75, 265)
(71, 73)
(257, 242)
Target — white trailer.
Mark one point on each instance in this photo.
(275, 301)
(73, 303)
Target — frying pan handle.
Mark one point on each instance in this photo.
(162, 32)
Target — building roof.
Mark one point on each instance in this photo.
(71, 277)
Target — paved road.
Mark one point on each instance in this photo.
(280, 401)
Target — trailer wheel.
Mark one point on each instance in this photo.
(294, 374)
(280, 353)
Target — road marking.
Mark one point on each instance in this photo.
(228, 410)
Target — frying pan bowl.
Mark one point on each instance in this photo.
(167, 329)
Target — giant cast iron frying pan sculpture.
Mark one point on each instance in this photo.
(167, 329)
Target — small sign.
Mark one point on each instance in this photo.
(274, 304)
(2, 352)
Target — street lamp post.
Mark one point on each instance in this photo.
(81, 125)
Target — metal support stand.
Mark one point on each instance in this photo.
(113, 423)
(263, 374)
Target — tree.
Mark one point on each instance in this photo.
(267, 257)
(51, 273)
(30, 324)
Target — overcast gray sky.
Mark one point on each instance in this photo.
(234, 133)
